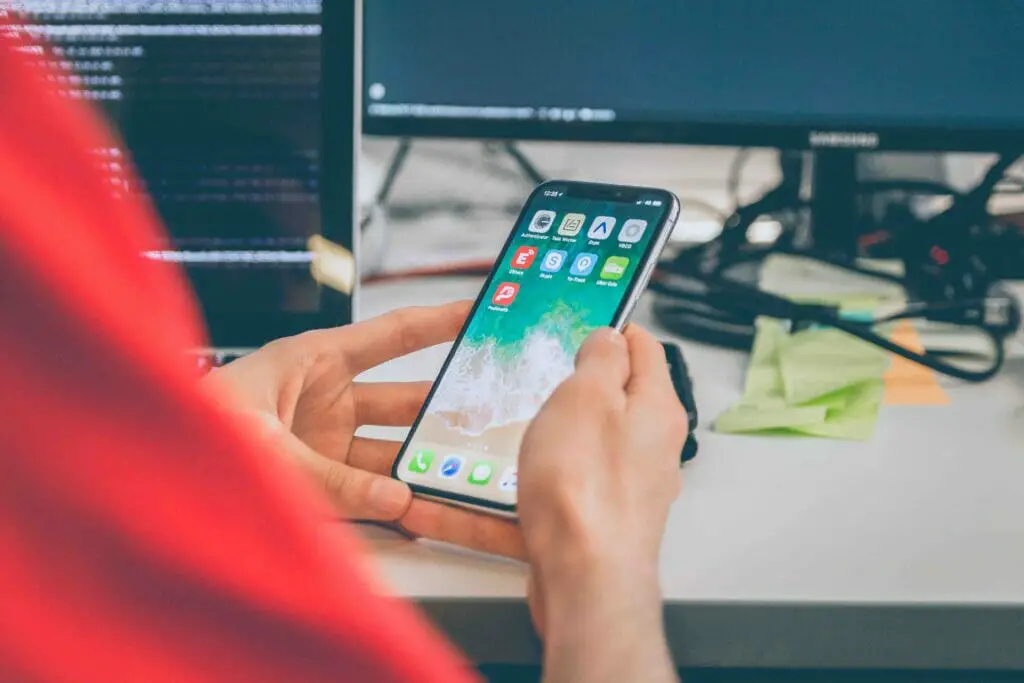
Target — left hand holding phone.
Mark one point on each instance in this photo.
(301, 397)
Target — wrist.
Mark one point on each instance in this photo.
(603, 591)
(605, 625)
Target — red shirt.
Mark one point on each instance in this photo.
(143, 537)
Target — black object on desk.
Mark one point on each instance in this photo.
(684, 390)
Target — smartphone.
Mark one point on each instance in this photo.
(578, 259)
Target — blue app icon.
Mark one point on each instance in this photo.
(583, 265)
(554, 260)
(450, 466)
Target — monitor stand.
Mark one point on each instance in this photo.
(836, 212)
(401, 154)
(372, 226)
(840, 212)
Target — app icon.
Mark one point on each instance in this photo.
(601, 228)
(542, 221)
(421, 462)
(451, 466)
(614, 268)
(571, 224)
(583, 265)
(505, 294)
(554, 260)
(481, 473)
(632, 230)
(509, 479)
(523, 257)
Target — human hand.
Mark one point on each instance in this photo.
(301, 395)
(598, 471)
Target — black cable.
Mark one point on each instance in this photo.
(922, 187)
(732, 303)
(715, 309)
(927, 359)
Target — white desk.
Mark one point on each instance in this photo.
(906, 551)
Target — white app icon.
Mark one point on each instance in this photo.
(633, 230)
(509, 479)
(601, 228)
(542, 221)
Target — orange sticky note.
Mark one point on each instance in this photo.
(906, 382)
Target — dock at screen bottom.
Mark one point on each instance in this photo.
(478, 476)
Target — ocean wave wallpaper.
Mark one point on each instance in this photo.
(565, 273)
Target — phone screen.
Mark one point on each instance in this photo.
(568, 268)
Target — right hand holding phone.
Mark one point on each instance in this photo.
(599, 469)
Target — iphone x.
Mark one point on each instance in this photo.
(577, 259)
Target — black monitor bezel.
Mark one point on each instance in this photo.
(339, 110)
(752, 133)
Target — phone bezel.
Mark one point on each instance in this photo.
(595, 191)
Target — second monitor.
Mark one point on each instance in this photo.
(874, 74)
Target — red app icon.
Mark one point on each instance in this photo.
(523, 258)
(505, 294)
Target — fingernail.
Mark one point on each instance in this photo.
(608, 334)
(388, 497)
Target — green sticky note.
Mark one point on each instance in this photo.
(763, 378)
(856, 421)
(747, 418)
(819, 362)
(818, 382)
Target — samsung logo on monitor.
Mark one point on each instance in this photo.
(853, 140)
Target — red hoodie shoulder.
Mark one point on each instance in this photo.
(145, 537)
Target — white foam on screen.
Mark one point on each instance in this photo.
(487, 386)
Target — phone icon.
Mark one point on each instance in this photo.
(571, 224)
(523, 258)
(542, 222)
(632, 230)
(451, 466)
(421, 462)
(505, 294)
(481, 474)
(554, 260)
(583, 265)
(601, 228)
(509, 480)
(614, 268)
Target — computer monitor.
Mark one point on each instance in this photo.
(871, 74)
(242, 135)
(841, 76)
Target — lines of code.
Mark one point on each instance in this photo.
(218, 106)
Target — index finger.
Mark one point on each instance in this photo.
(402, 331)
(648, 365)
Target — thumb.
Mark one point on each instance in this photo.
(605, 352)
(355, 493)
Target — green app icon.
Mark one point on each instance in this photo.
(614, 268)
(481, 473)
(421, 462)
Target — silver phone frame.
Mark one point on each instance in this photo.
(639, 287)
